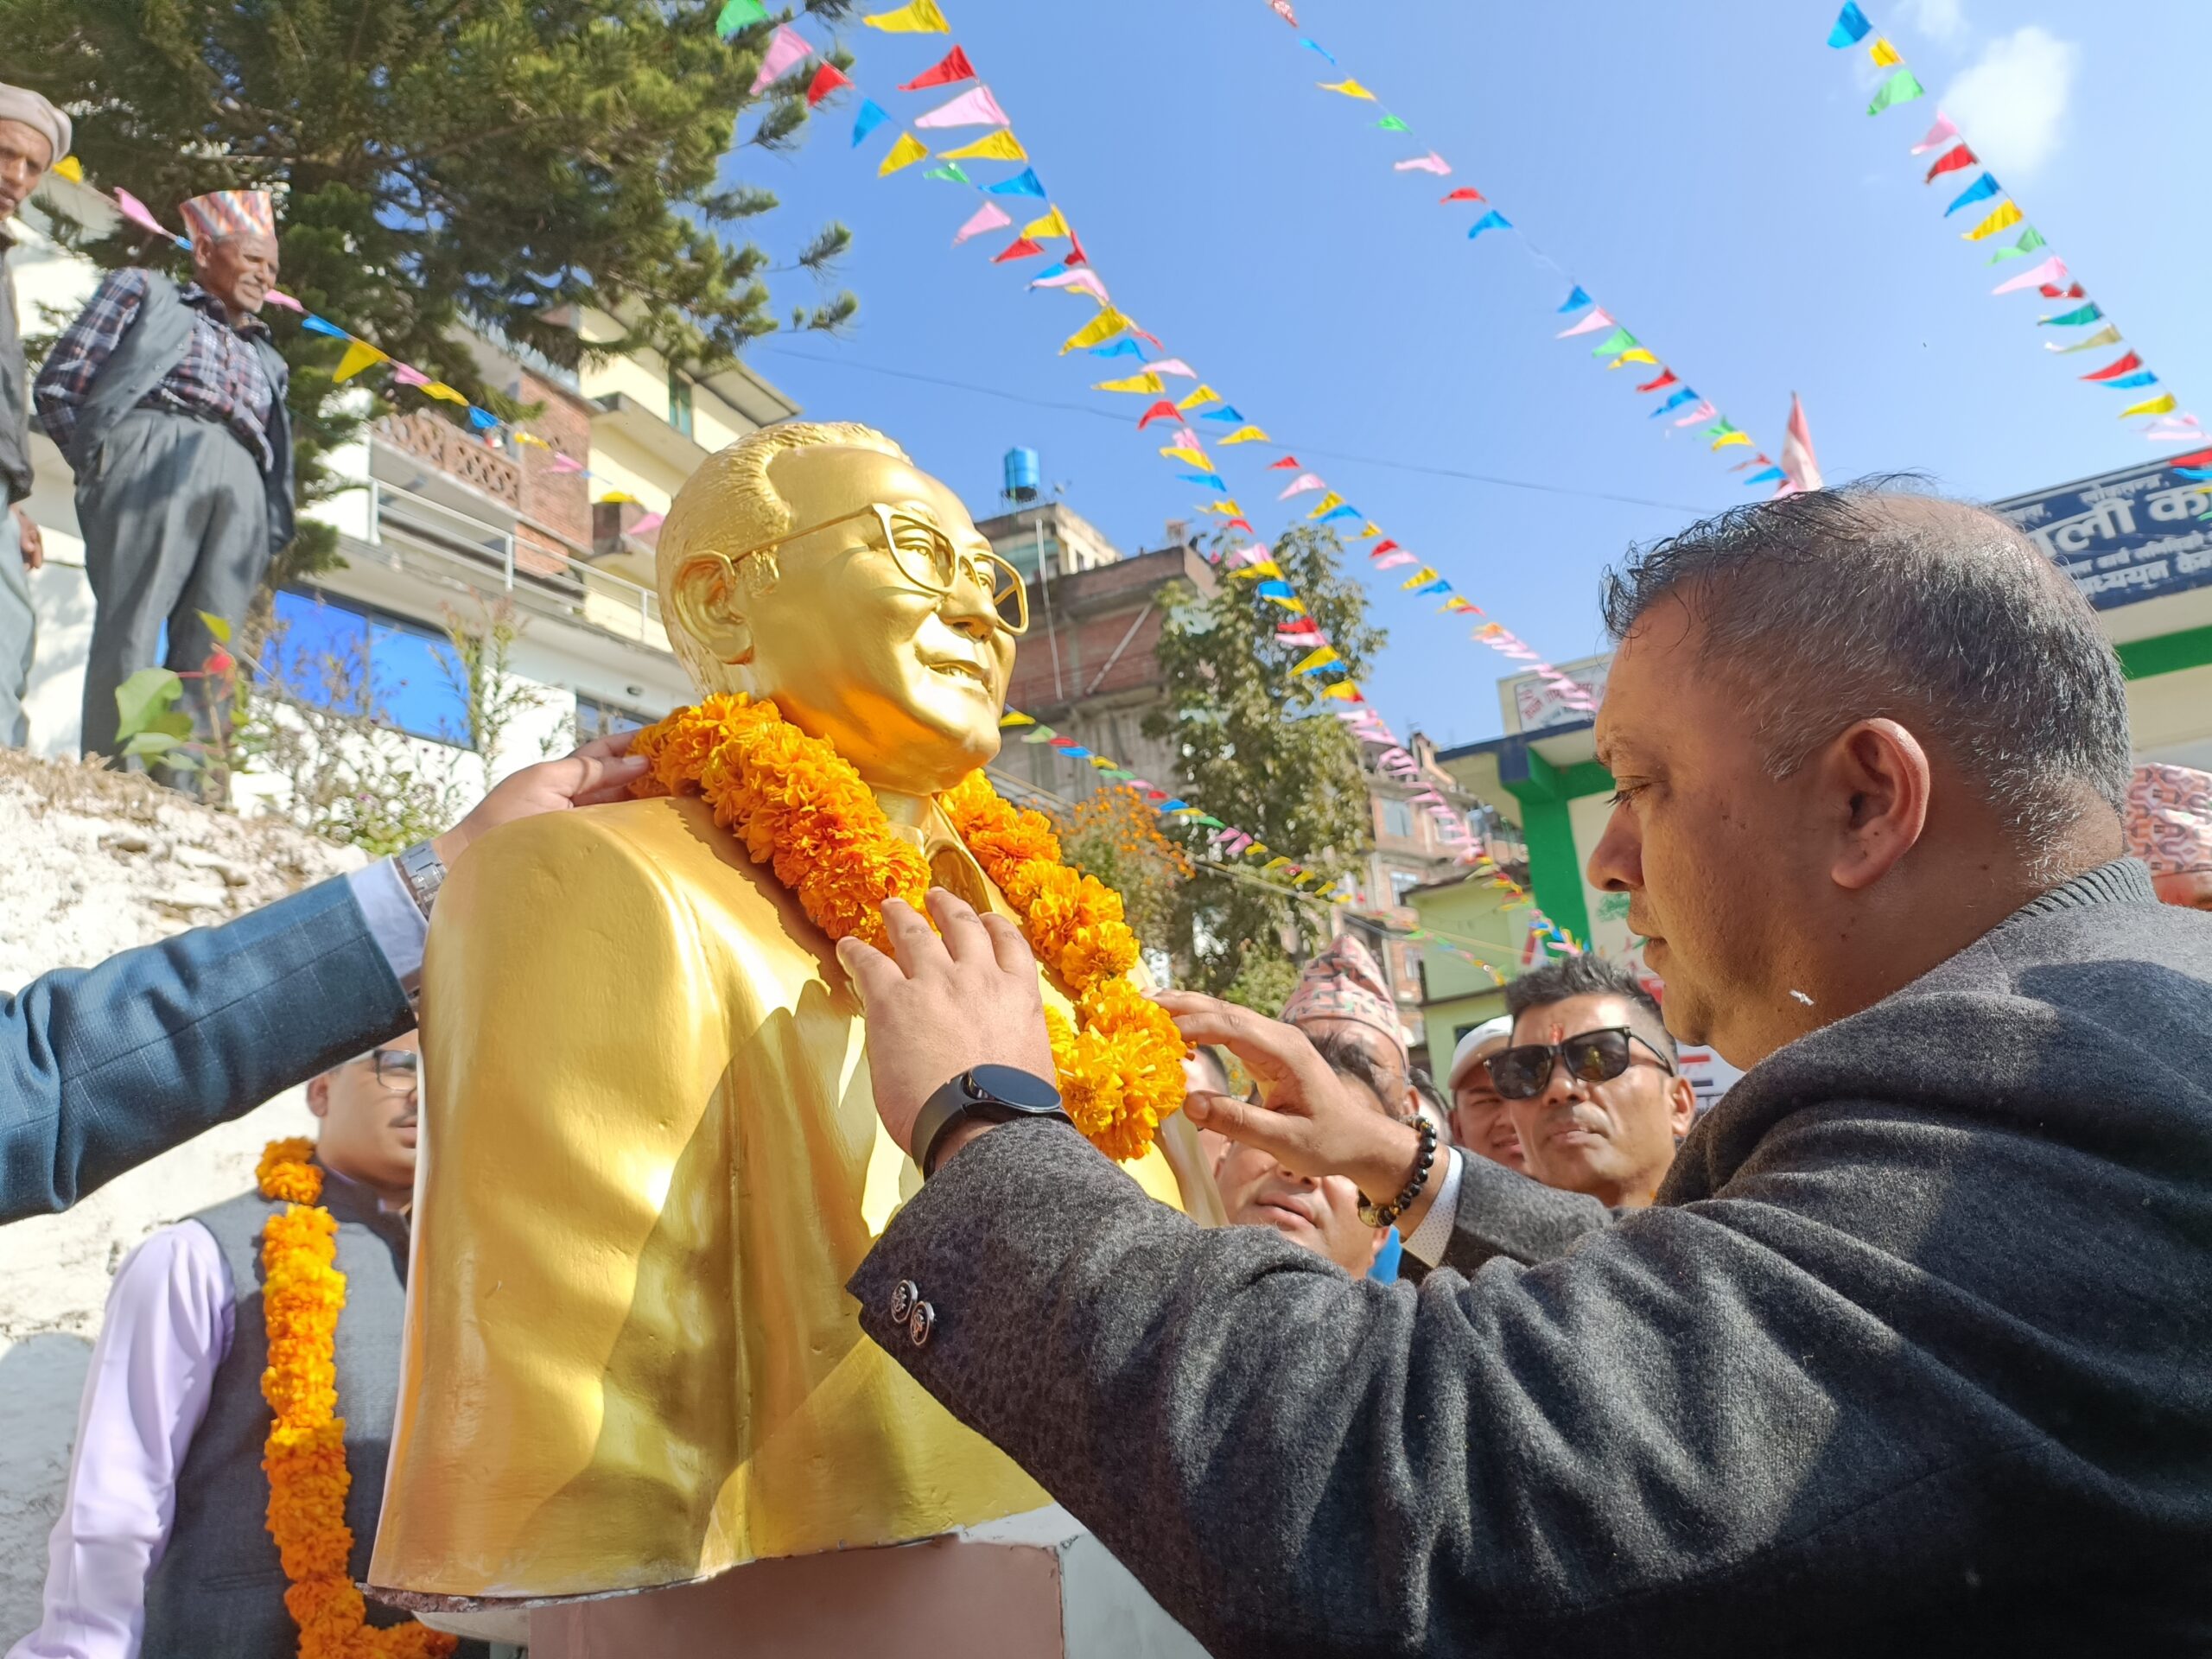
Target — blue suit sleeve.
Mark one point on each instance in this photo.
(102, 1068)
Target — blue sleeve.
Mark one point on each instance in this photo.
(102, 1068)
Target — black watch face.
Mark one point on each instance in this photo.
(1016, 1088)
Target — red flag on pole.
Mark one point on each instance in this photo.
(952, 67)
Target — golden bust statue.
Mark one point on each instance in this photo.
(651, 1159)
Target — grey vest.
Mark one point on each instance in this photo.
(220, 1587)
(153, 344)
(15, 391)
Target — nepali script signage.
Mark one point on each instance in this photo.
(2128, 536)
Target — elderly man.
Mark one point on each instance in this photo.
(1591, 1081)
(1341, 992)
(1909, 1354)
(169, 404)
(1319, 1212)
(2169, 826)
(33, 135)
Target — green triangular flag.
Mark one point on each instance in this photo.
(1900, 88)
(1391, 124)
(2030, 239)
(949, 170)
(1619, 341)
(737, 15)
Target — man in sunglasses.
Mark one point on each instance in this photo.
(161, 1546)
(1591, 1082)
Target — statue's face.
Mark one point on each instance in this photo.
(906, 683)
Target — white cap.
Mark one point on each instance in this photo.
(1491, 1034)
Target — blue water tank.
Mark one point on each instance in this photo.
(1021, 474)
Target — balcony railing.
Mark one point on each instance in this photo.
(454, 452)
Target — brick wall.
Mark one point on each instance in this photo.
(560, 501)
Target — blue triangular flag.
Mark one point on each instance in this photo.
(482, 419)
(1492, 220)
(1123, 347)
(1439, 586)
(1313, 46)
(2129, 382)
(1851, 25)
(1771, 475)
(1980, 190)
(1345, 511)
(315, 324)
(1685, 395)
(1024, 184)
(2194, 474)
(1211, 481)
(872, 116)
(1575, 300)
(1273, 589)
(1226, 412)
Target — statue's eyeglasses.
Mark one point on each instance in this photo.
(926, 557)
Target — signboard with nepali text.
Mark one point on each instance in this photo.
(2127, 536)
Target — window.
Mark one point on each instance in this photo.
(1397, 819)
(1401, 883)
(679, 403)
(597, 719)
(354, 659)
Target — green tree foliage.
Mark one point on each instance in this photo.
(444, 165)
(1263, 750)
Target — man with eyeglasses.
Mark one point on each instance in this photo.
(1591, 1082)
(161, 1547)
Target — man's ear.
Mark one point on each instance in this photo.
(1878, 779)
(712, 598)
(319, 1095)
(1681, 1105)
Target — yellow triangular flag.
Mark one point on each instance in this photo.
(1264, 568)
(359, 355)
(70, 168)
(1727, 438)
(1102, 763)
(2161, 405)
(999, 146)
(916, 17)
(1204, 394)
(1275, 864)
(1133, 382)
(1226, 509)
(2008, 214)
(1248, 435)
(1287, 604)
(1634, 354)
(1885, 56)
(1349, 87)
(1011, 718)
(1045, 229)
(1372, 530)
(1343, 689)
(532, 440)
(1327, 504)
(616, 497)
(908, 150)
(1420, 578)
(1316, 658)
(443, 393)
(1196, 457)
(1108, 323)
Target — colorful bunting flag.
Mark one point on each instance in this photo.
(1083, 280)
(1302, 483)
(1146, 381)
(1575, 300)
(1425, 575)
(1050, 228)
(1939, 135)
(990, 216)
(1247, 435)
(1349, 88)
(2052, 270)
(908, 150)
(828, 79)
(2109, 336)
(1211, 481)
(971, 108)
(787, 49)
(916, 17)
(872, 116)
(1119, 349)
(951, 174)
(1598, 319)
(1204, 394)
(1900, 88)
(2055, 290)
(2031, 241)
(1397, 557)
(1328, 503)
(1024, 184)
(992, 147)
(1619, 341)
(1179, 452)
(2071, 319)
(315, 324)
(1885, 56)
(2165, 405)
(359, 355)
(1492, 220)
(1851, 26)
(1287, 464)
(2133, 381)
(2007, 214)
(1464, 192)
(1175, 365)
(1430, 163)
(1950, 161)
(1685, 395)
(1980, 190)
(1666, 378)
(1634, 354)
(1228, 414)
(738, 14)
(1345, 511)
(1162, 410)
(1392, 123)
(2127, 365)
(1727, 438)
(1319, 658)
(1770, 475)
(952, 67)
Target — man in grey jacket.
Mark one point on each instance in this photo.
(34, 135)
(1910, 1354)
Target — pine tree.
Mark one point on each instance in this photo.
(443, 166)
(1262, 748)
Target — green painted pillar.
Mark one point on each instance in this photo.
(1555, 864)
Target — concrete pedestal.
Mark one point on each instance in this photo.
(1033, 1586)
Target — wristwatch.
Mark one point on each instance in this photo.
(988, 1094)
(422, 872)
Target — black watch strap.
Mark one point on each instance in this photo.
(987, 1093)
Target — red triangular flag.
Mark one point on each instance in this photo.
(1075, 255)
(2127, 364)
(1140, 334)
(1464, 192)
(1666, 378)
(1386, 546)
(827, 79)
(1020, 248)
(1951, 161)
(1244, 524)
(1162, 410)
(953, 67)
(2053, 291)
(1287, 464)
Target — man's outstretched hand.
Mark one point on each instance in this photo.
(1312, 1123)
(600, 773)
(943, 1004)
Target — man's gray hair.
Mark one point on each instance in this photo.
(1836, 606)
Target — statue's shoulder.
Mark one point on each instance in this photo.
(669, 843)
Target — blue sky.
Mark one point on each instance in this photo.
(1707, 173)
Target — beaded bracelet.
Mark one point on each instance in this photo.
(1389, 1213)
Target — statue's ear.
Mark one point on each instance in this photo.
(711, 598)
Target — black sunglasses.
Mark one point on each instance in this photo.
(1522, 1071)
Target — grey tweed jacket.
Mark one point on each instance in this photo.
(1915, 1355)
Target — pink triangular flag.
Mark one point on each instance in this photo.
(561, 463)
(1390, 561)
(1702, 412)
(408, 377)
(1430, 163)
(646, 526)
(787, 49)
(974, 109)
(1173, 365)
(1941, 133)
(1082, 278)
(277, 296)
(1302, 483)
(1589, 325)
(1188, 438)
(139, 214)
(1804, 473)
(2052, 270)
(988, 217)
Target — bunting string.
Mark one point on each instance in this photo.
(2050, 277)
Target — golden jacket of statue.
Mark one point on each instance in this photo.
(650, 1157)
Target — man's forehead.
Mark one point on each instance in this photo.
(821, 470)
(1592, 1011)
(21, 135)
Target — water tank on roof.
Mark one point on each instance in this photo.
(1022, 475)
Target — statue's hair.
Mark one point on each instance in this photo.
(731, 505)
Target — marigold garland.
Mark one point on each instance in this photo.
(305, 1455)
(801, 809)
